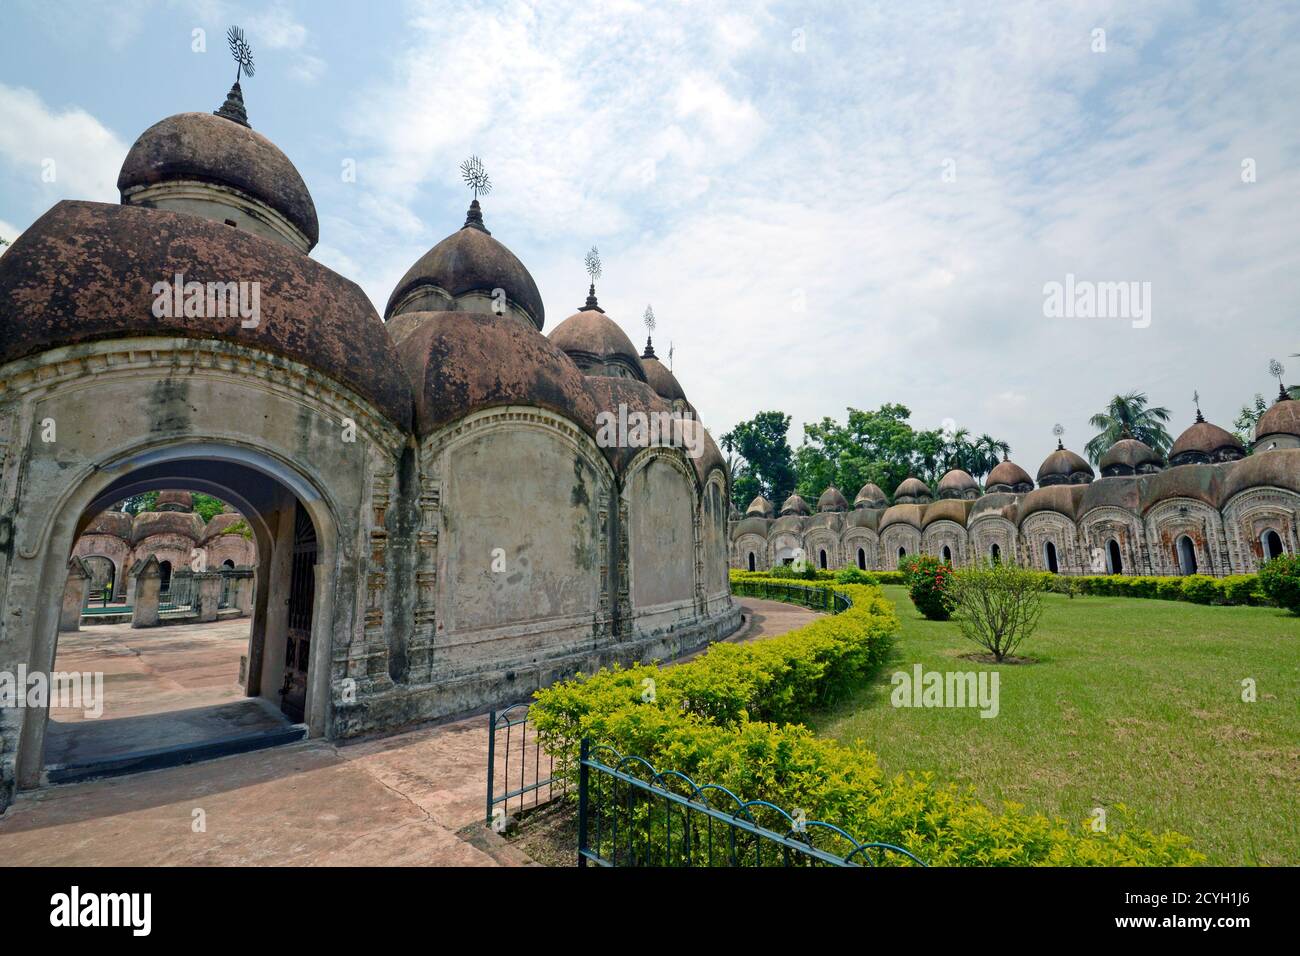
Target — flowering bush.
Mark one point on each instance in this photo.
(929, 583)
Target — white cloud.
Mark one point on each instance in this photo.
(59, 153)
(720, 169)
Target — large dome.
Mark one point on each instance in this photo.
(1204, 443)
(598, 346)
(467, 262)
(958, 483)
(203, 148)
(1007, 476)
(659, 377)
(1064, 467)
(460, 362)
(794, 505)
(1129, 456)
(912, 491)
(178, 523)
(832, 500)
(870, 495)
(85, 271)
(1281, 418)
(171, 500)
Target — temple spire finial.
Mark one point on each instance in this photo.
(593, 266)
(1196, 398)
(233, 108)
(1058, 430)
(649, 318)
(1276, 369)
(477, 179)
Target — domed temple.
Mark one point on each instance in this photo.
(115, 542)
(436, 523)
(1212, 509)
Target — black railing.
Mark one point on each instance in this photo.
(630, 814)
(817, 597)
(533, 771)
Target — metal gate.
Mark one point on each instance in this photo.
(302, 597)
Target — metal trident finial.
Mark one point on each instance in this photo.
(475, 176)
(241, 51)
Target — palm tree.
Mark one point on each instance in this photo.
(1129, 413)
(987, 449)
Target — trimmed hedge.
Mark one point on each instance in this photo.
(727, 718)
(1197, 588)
(1235, 589)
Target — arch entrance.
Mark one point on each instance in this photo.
(285, 682)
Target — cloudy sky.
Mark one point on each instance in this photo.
(827, 204)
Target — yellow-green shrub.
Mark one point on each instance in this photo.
(727, 718)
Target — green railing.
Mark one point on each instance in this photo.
(630, 814)
(818, 597)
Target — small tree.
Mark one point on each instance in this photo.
(997, 605)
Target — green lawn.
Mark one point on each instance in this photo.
(1132, 702)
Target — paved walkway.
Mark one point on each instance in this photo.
(415, 798)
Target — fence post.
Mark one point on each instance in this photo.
(584, 751)
(492, 752)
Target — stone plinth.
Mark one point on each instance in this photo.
(74, 595)
(207, 595)
(147, 576)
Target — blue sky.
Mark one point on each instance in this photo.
(769, 176)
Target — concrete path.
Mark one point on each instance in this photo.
(415, 798)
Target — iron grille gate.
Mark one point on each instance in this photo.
(533, 772)
(669, 820)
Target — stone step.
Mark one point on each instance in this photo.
(173, 756)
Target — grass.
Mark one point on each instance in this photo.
(1133, 702)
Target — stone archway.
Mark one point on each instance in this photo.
(270, 493)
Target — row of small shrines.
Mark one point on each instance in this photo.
(156, 597)
(1210, 510)
(114, 542)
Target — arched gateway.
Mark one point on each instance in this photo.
(440, 529)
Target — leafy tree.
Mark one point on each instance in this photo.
(767, 463)
(1129, 412)
(205, 506)
(987, 452)
(877, 446)
(1246, 419)
(929, 456)
(881, 447)
(142, 502)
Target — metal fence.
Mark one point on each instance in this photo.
(630, 814)
(520, 773)
(818, 598)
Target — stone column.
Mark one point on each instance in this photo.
(207, 595)
(74, 595)
(148, 584)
